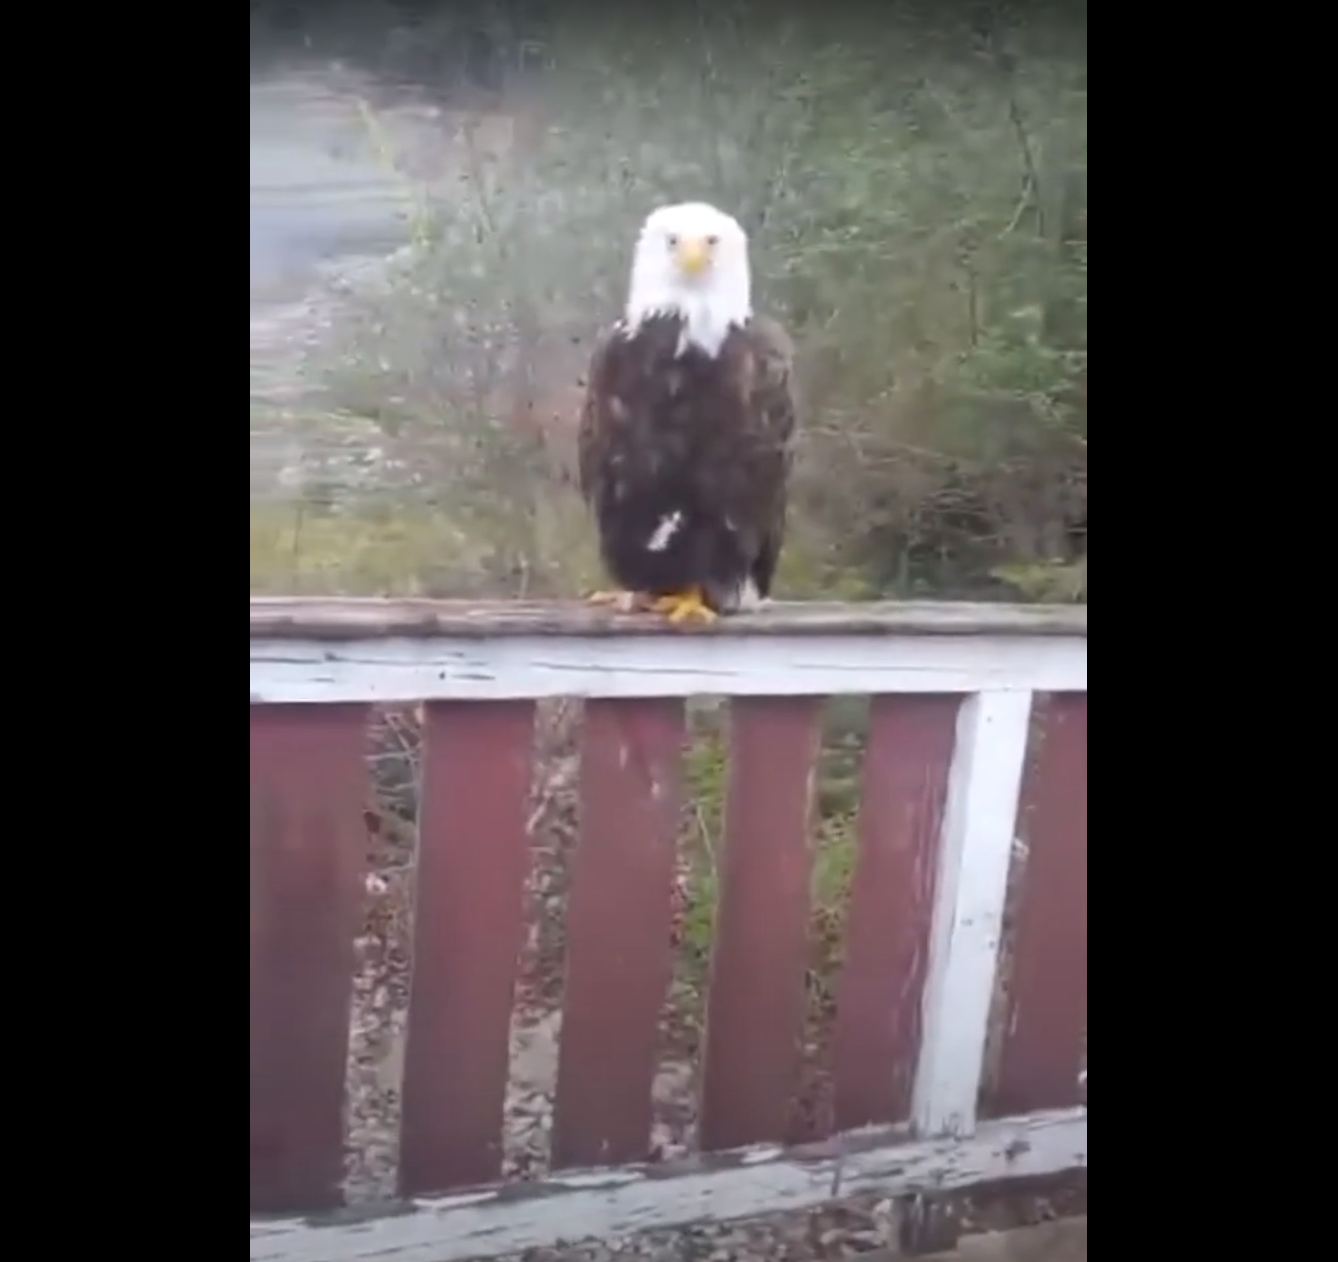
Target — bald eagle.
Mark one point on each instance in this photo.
(687, 428)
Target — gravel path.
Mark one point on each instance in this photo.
(328, 208)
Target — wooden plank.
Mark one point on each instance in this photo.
(1047, 998)
(755, 1005)
(615, 1204)
(879, 991)
(980, 816)
(308, 852)
(473, 856)
(680, 665)
(618, 930)
(354, 618)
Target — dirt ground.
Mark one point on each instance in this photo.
(1064, 1241)
(1061, 1241)
(1040, 1220)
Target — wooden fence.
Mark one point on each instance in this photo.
(976, 743)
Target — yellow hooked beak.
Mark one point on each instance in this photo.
(694, 255)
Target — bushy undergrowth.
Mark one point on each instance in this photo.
(916, 191)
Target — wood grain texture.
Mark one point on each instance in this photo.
(755, 1004)
(615, 1204)
(387, 671)
(970, 888)
(473, 856)
(1047, 994)
(618, 930)
(880, 989)
(308, 851)
(350, 618)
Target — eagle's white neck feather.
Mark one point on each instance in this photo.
(709, 306)
(707, 316)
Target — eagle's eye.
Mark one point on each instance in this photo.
(713, 240)
(673, 240)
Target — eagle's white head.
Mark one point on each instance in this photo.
(691, 260)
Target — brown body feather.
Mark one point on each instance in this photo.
(685, 459)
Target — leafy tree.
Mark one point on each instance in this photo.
(916, 189)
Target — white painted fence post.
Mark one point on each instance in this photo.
(979, 822)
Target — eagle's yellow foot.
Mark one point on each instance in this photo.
(619, 601)
(685, 606)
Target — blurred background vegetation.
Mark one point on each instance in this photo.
(914, 178)
(443, 204)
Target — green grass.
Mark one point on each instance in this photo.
(400, 546)
(396, 544)
(301, 548)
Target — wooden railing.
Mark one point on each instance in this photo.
(976, 745)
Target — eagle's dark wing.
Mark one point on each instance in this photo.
(772, 410)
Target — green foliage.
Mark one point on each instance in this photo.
(704, 779)
(916, 191)
(1054, 582)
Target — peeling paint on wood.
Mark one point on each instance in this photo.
(628, 1200)
(467, 668)
(979, 817)
(939, 816)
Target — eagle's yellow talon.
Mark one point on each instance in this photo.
(618, 600)
(686, 606)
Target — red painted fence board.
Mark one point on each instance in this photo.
(755, 1006)
(1047, 1009)
(618, 929)
(308, 851)
(877, 1036)
(308, 848)
(473, 855)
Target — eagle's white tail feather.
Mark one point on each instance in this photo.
(749, 596)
